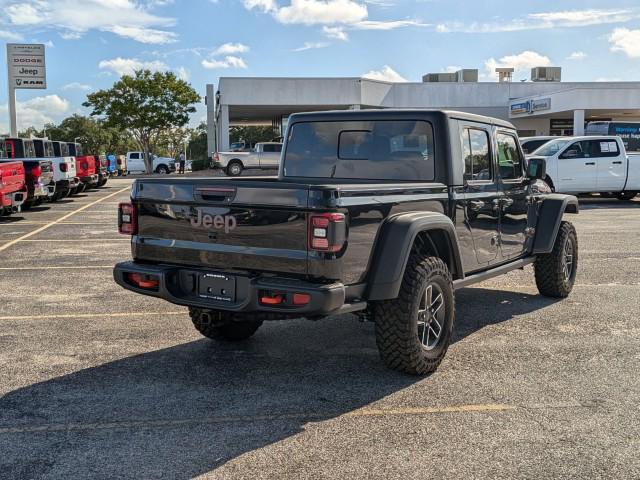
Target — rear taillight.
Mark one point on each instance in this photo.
(36, 171)
(327, 232)
(64, 167)
(149, 282)
(1, 182)
(127, 221)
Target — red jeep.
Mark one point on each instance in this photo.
(13, 189)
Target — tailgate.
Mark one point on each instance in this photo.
(249, 225)
(11, 177)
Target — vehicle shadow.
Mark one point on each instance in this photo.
(591, 203)
(183, 411)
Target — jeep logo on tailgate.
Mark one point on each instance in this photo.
(219, 222)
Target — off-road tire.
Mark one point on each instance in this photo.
(222, 326)
(549, 271)
(396, 320)
(234, 169)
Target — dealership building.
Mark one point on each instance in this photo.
(543, 106)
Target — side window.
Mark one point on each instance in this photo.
(509, 157)
(135, 156)
(600, 148)
(277, 148)
(271, 148)
(477, 159)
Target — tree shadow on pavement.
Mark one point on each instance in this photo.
(183, 411)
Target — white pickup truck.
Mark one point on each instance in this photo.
(265, 155)
(593, 164)
(64, 166)
(135, 163)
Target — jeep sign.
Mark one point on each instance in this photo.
(219, 222)
(26, 65)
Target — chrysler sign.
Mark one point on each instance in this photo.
(26, 65)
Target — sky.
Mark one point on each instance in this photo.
(90, 43)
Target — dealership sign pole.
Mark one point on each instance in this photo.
(26, 69)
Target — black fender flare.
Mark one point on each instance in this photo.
(393, 248)
(550, 214)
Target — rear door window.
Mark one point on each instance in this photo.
(271, 148)
(600, 148)
(135, 156)
(477, 156)
(364, 150)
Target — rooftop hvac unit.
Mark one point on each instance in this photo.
(546, 74)
(464, 75)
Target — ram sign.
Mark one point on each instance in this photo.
(26, 65)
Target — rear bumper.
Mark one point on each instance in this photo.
(181, 286)
(91, 179)
(67, 184)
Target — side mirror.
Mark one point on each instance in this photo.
(537, 168)
(571, 153)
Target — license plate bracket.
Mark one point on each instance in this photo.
(218, 287)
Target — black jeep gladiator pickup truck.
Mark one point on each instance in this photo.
(380, 212)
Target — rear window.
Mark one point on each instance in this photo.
(362, 150)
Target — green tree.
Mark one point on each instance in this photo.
(145, 104)
(252, 133)
(197, 148)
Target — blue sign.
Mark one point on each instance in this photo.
(517, 108)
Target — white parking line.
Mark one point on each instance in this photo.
(90, 315)
(64, 217)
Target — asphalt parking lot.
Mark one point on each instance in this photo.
(97, 382)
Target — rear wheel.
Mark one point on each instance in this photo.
(234, 168)
(556, 271)
(222, 325)
(414, 330)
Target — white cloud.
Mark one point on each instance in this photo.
(520, 62)
(453, 68)
(544, 20)
(625, 41)
(145, 35)
(76, 86)
(310, 46)
(263, 5)
(319, 12)
(37, 111)
(387, 25)
(182, 73)
(11, 36)
(229, 61)
(335, 32)
(386, 74)
(577, 56)
(231, 48)
(72, 18)
(128, 66)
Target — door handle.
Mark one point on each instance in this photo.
(617, 163)
(476, 205)
(589, 163)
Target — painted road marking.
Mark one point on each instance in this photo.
(79, 239)
(91, 315)
(64, 217)
(62, 267)
(302, 416)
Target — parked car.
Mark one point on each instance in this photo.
(64, 168)
(85, 166)
(591, 164)
(529, 144)
(369, 214)
(135, 163)
(101, 164)
(121, 162)
(38, 171)
(265, 155)
(13, 189)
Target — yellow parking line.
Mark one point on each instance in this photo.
(96, 239)
(64, 217)
(90, 315)
(314, 416)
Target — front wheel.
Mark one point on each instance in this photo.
(234, 169)
(222, 326)
(413, 331)
(162, 169)
(556, 271)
